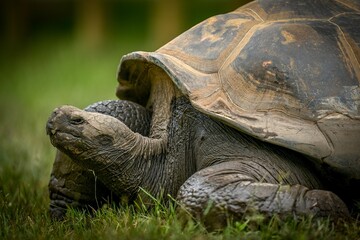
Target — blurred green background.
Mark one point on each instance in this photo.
(56, 52)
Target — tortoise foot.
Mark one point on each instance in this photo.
(216, 195)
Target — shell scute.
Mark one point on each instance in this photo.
(308, 72)
(205, 45)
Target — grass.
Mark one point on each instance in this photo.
(53, 71)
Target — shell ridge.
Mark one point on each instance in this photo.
(256, 15)
(349, 48)
(329, 141)
(236, 50)
(173, 54)
(347, 5)
(340, 14)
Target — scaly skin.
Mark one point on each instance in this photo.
(223, 191)
(234, 172)
(74, 186)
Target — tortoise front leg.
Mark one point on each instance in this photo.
(74, 186)
(221, 192)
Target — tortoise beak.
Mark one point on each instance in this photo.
(50, 129)
(50, 126)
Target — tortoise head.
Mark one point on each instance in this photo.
(83, 135)
(100, 143)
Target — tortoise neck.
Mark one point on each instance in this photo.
(154, 147)
(126, 169)
(161, 95)
(169, 170)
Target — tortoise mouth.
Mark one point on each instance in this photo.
(65, 140)
(61, 128)
(59, 136)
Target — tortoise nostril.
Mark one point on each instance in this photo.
(50, 128)
(49, 124)
(56, 111)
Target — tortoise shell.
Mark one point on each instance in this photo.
(285, 72)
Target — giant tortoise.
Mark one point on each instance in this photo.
(256, 110)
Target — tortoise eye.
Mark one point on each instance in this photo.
(77, 120)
